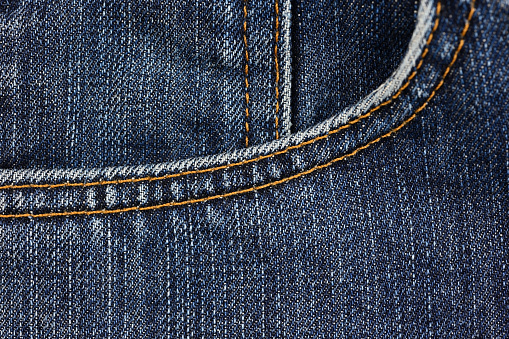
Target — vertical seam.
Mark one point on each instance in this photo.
(276, 61)
(246, 73)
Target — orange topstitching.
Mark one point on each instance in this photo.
(212, 169)
(246, 71)
(274, 183)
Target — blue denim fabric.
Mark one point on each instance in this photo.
(353, 38)
(387, 217)
(111, 83)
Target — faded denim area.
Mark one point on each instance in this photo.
(343, 50)
(116, 83)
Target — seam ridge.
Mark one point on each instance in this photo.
(285, 67)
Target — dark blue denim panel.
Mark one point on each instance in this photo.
(342, 50)
(269, 78)
(90, 84)
(407, 237)
(373, 246)
(261, 76)
(8, 6)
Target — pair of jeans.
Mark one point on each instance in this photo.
(248, 168)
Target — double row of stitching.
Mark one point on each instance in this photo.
(274, 183)
(262, 157)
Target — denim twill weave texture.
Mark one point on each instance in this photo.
(379, 210)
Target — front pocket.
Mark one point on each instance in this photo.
(437, 40)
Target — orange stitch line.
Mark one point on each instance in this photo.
(246, 72)
(274, 183)
(276, 5)
(262, 157)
